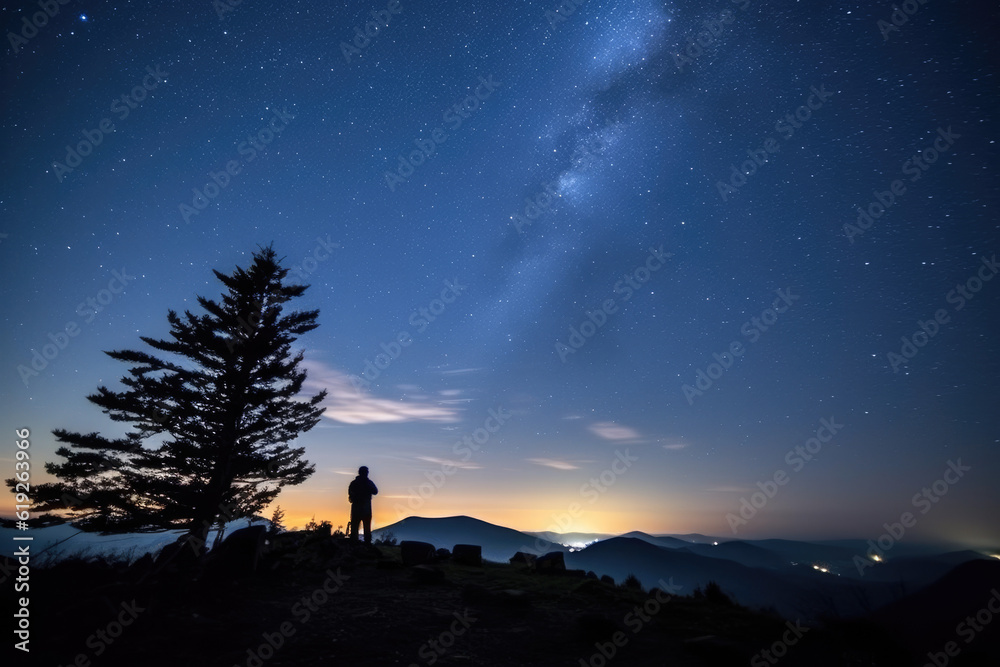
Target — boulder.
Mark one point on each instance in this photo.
(467, 554)
(416, 553)
(523, 558)
(551, 563)
(240, 551)
(443, 554)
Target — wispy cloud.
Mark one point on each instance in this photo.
(673, 446)
(465, 465)
(554, 463)
(613, 431)
(350, 405)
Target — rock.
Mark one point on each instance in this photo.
(416, 553)
(175, 556)
(523, 558)
(238, 553)
(468, 554)
(443, 554)
(591, 574)
(551, 563)
(580, 574)
(608, 579)
(425, 574)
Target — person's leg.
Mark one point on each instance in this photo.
(368, 528)
(352, 532)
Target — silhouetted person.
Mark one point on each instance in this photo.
(360, 494)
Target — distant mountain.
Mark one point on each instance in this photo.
(662, 541)
(917, 572)
(498, 543)
(569, 539)
(837, 559)
(793, 591)
(621, 556)
(741, 552)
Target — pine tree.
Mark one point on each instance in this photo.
(278, 520)
(210, 425)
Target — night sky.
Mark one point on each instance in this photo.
(621, 242)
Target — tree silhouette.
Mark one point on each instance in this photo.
(210, 426)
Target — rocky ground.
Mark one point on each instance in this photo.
(318, 600)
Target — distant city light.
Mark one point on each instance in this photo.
(821, 569)
(876, 558)
(715, 544)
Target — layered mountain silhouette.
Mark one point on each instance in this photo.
(797, 579)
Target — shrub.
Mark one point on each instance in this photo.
(386, 539)
(632, 581)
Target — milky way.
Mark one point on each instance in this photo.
(691, 230)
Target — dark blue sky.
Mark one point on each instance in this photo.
(683, 172)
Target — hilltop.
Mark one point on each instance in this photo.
(308, 598)
(317, 600)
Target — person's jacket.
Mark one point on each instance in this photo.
(360, 493)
